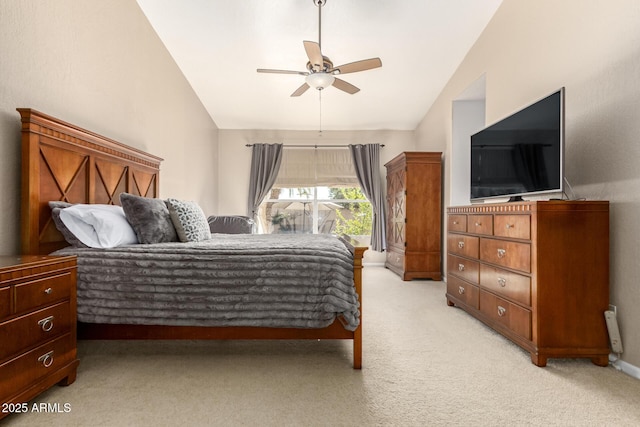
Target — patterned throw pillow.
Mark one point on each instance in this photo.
(189, 220)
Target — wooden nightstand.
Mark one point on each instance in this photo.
(37, 326)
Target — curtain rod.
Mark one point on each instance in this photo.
(313, 146)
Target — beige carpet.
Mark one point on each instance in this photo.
(424, 364)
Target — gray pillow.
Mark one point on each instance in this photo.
(149, 218)
(71, 239)
(189, 220)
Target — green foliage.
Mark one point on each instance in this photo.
(357, 221)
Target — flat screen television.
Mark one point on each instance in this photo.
(522, 154)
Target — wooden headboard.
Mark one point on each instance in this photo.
(62, 162)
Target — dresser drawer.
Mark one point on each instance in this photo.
(506, 283)
(512, 226)
(26, 331)
(44, 291)
(460, 244)
(506, 254)
(463, 291)
(457, 223)
(463, 268)
(512, 316)
(20, 372)
(5, 302)
(480, 224)
(395, 259)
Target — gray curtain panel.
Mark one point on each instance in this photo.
(366, 160)
(265, 163)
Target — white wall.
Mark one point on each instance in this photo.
(235, 159)
(592, 48)
(99, 65)
(468, 118)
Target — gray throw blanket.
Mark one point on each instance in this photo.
(291, 281)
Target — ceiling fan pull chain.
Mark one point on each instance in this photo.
(320, 108)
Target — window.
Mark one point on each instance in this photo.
(316, 191)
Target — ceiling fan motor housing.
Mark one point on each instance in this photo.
(327, 65)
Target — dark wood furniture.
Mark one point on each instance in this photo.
(61, 161)
(37, 326)
(537, 272)
(414, 215)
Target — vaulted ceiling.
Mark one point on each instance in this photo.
(219, 44)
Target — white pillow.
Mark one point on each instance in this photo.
(99, 226)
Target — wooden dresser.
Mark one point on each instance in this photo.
(37, 325)
(414, 215)
(537, 272)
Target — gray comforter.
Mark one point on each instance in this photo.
(297, 281)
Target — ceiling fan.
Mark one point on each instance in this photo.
(320, 72)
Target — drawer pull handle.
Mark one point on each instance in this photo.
(510, 226)
(46, 324)
(501, 311)
(502, 281)
(461, 245)
(460, 267)
(48, 291)
(46, 359)
(501, 253)
(455, 222)
(461, 290)
(478, 224)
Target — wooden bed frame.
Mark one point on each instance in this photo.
(64, 162)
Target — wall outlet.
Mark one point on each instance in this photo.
(614, 332)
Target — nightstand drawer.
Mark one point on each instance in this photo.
(41, 292)
(5, 302)
(24, 332)
(463, 291)
(463, 268)
(38, 363)
(460, 244)
(512, 316)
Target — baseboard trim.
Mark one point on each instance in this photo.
(623, 366)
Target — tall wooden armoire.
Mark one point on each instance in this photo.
(414, 215)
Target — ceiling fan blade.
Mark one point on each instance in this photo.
(264, 70)
(353, 67)
(347, 87)
(314, 54)
(302, 89)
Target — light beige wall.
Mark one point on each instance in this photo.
(235, 159)
(99, 64)
(592, 48)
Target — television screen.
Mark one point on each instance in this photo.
(521, 154)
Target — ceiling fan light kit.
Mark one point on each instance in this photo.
(321, 72)
(320, 80)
